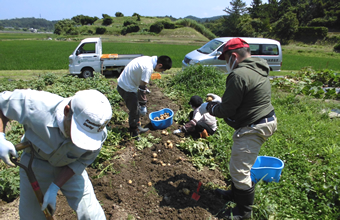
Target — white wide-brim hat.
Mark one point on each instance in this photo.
(91, 113)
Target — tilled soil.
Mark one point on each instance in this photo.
(141, 189)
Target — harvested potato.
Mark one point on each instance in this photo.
(164, 132)
(168, 141)
(170, 145)
(149, 183)
(154, 160)
(209, 99)
(130, 182)
(186, 191)
(154, 155)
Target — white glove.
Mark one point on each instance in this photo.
(6, 148)
(177, 131)
(50, 197)
(203, 108)
(143, 110)
(216, 98)
(147, 91)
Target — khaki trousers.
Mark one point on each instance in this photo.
(246, 147)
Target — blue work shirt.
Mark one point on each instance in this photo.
(36, 111)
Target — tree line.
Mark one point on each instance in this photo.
(282, 19)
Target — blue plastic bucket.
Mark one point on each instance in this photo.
(268, 168)
(161, 124)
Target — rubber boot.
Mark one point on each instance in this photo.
(141, 129)
(244, 199)
(134, 134)
(226, 194)
(204, 134)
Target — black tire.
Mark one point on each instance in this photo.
(87, 72)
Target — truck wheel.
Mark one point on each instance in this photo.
(87, 72)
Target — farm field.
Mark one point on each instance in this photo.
(307, 141)
(45, 54)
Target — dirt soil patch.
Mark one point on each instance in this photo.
(141, 189)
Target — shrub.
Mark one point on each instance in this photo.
(107, 21)
(130, 29)
(337, 46)
(119, 14)
(100, 30)
(127, 23)
(157, 27)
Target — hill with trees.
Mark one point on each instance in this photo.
(27, 23)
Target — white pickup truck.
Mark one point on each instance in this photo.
(88, 58)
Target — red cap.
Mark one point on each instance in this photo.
(233, 44)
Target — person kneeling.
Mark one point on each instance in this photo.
(200, 125)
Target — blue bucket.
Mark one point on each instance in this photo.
(268, 168)
(161, 124)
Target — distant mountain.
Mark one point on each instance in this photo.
(36, 23)
(204, 19)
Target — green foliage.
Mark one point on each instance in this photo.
(64, 26)
(107, 21)
(119, 14)
(286, 27)
(337, 46)
(311, 34)
(130, 29)
(198, 27)
(100, 30)
(156, 28)
(147, 141)
(9, 184)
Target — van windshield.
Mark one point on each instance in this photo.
(210, 46)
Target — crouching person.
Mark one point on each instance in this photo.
(200, 125)
(67, 135)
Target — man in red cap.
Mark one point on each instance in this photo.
(245, 106)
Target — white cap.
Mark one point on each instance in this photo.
(91, 113)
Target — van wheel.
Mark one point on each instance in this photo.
(87, 72)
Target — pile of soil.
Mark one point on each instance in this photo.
(141, 189)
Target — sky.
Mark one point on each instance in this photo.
(66, 9)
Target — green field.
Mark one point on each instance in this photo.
(23, 52)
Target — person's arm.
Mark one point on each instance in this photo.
(65, 174)
(3, 122)
(50, 197)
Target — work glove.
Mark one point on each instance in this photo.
(143, 110)
(50, 197)
(6, 148)
(178, 131)
(216, 98)
(210, 107)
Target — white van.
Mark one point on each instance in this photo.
(267, 49)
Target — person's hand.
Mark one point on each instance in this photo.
(143, 110)
(216, 98)
(203, 108)
(178, 131)
(6, 148)
(147, 91)
(50, 197)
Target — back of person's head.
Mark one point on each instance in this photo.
(196, 101)
(235, 45)
(165, 61)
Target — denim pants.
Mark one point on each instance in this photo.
(78, 191)
(246, 147)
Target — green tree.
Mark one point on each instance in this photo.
(107, 21)
(119, 14)
(232, 21)
(64, 26)
(286, 27)
(105, 15)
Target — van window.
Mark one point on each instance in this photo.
(264, 49)
(210, 46)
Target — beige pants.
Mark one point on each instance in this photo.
(246, 147)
